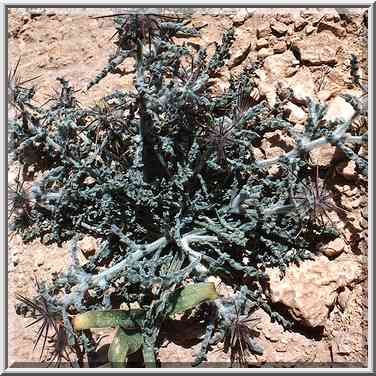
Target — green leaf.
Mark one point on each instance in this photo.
(191, 296)
(125, 343)
(128, 319)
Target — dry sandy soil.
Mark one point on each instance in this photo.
(69, 44)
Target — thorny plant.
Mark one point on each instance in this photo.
(317, 201)
(165, 178)
(239, 338)
(51, 328)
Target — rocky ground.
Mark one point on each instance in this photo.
(307, 50)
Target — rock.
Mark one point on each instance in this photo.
(261, 43)
(278, 28)
(280, 47)
(318, 49)
(342, 344)
(276, 66)
(241, 15)
(89, 180)
(271, 151)
(337, 30)
(331, 14)
(309, 29)
(265, 52)
(324, 154)
(303, 86)
(284, 18)
(348, 170)
(297, 114)
(309, 290)
(343, 298)
(334, 248)
(240, 49)
(300, 23)
(364, 223)
(36, 12)
(263, 31)
(364, 212)
(311, 13)
(88, 246)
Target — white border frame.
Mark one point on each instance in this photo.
(4, 166)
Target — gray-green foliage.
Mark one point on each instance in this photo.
(166, 178)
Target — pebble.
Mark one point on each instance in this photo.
(364, 223)
(278, 28)
(347, 170)
(342, 344)
(364, 212)
(355, 203)
(300, 23)
(265, 52)
(309, 29)
(263, 31)
(88, 246)
(261, 43)
(334, 248)
(337, 30)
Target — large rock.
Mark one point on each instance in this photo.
(318, 49)
(309, 291)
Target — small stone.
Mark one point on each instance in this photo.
(278, 28)
(88, 246)
(261, 43)
(302, 85)
(331, 14)
(364, 223)
(355, 222)
(89, 180)
(343, 298)
(241, 16)
(284, 18)
(297, 114)
(364, 200)
(280, 47)
(356, 203)
(337, 30)
(342, 344)
(364, 212)
(265, 52)
(338, 108)
(50, 12)
(239, 51)
(334, 248)
(309, 29)
(300, 23)
(35, 12)
(347, 170)
(263, 31)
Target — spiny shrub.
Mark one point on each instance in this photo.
(165, 177)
